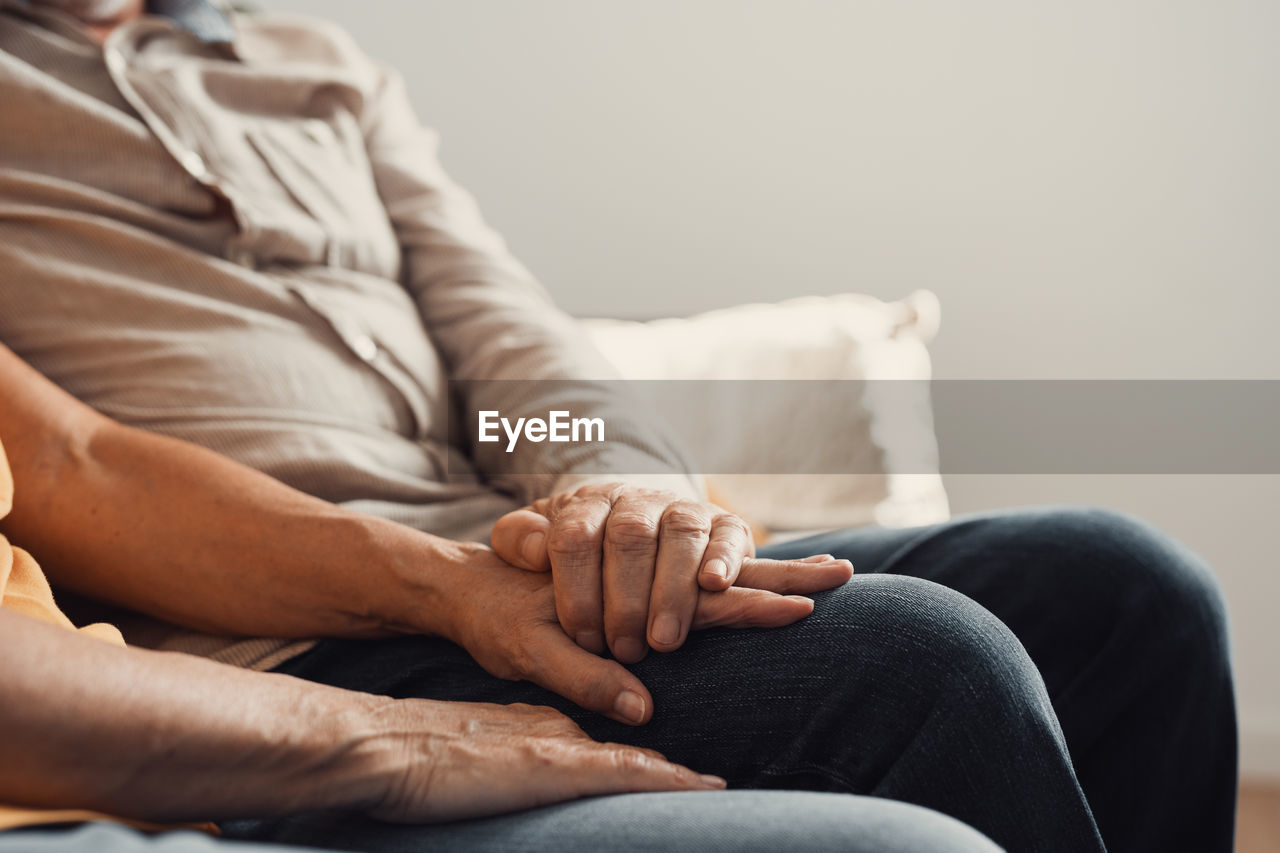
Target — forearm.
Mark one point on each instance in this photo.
(184, 534)
(158, 736)
(179, 532)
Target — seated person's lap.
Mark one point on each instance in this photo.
(839, 701)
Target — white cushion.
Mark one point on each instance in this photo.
(849, 336)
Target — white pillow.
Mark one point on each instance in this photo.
(848, 336)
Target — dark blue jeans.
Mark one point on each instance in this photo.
(1054, 678)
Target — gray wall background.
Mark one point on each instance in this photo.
(1092, 188)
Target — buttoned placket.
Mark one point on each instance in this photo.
(358, 340)
(192, 161)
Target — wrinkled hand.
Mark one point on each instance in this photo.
(456, 760)
(628, 563)
(506, 618)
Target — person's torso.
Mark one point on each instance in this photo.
(193, 242)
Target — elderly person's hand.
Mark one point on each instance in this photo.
(446, 761)
(505, 618)
(628, 563)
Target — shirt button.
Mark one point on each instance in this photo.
(365, 347)
(194, 163)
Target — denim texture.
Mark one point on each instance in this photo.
(1053, 678)
(693, 822)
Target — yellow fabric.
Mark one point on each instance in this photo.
(24, 589)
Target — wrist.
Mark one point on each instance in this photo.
(390, 743)
(422, 581)
(346, 765)
(205, 740)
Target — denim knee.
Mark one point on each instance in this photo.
(1114, 566)
(939, 646)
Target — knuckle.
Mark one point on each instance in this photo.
(542, 719)
(731, 525)
(631, 532)
(557, 503)
(545, 752)
(627, 618)
(553, 718)
(588, 691)
(686, 521)
(630, 762)
(572, 537)
(576, 614)
(564, 726)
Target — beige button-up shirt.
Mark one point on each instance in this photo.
(252, 246)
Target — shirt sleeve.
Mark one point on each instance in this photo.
(507, 347)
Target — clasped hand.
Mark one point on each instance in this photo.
(624, 568)
(611, 568)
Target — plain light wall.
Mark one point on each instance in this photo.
(1092, 189)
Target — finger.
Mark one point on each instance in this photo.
(630, 551)
(520, 538)
(587, 680)
(611, 768)
(794, 576)
(652, 752)
(575, 547)
(739, 607)
(682, 539)
(730, 542)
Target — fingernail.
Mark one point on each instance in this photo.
(714, 781)
(818, 558)
(666, 629)
(629, 649)
(629, 706)
(718, 568)
(533, 548)
(805, 599)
